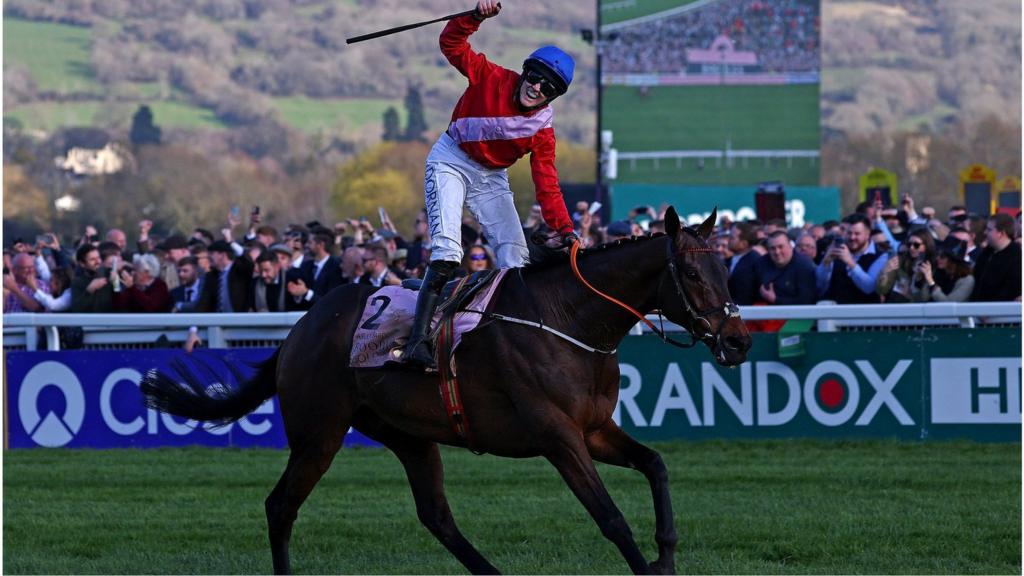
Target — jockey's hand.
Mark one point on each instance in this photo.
(487, 9)
(568, 239)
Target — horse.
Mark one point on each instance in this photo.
(528, 392)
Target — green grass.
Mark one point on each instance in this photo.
(742, 507)
(49, 116)
(56, 55)
(706, 117)
(310, 114)
(710, 118)
(640, 8)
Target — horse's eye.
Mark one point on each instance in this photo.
(691, 274)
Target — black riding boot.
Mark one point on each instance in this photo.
(417, 349)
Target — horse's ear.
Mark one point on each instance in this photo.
(671, 222)
(704, 230)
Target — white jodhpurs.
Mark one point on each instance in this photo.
(452, 179)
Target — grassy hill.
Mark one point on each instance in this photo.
(203, 69)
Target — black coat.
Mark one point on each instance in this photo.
(743, 285)
(329, 279)
(794, 284)
(239, 287)
(178, 295)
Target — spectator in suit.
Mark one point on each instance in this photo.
(784, 276)
(185, 297)
(997, 273)
(320, 272)
(90, 289)
(352, 264)
(143, 290)
(850, 267)
(743, 285)
(376, 263)
(269, 288)
(227, 287)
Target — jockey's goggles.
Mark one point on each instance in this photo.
(548, 89)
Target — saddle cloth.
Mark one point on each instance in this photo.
(387, 319)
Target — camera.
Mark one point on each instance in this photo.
(839, 241)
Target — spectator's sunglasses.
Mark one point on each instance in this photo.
(478, 256)
(918, 245)
(546, 87)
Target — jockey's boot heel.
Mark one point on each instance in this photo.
(418, 352)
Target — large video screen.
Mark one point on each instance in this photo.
(712, 92)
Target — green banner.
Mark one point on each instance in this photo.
(913, 385)
(694, 203)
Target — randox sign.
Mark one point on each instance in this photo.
(914, 385)
(943, 383)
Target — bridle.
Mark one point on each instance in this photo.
(699, 324)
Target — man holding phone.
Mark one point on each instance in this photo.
(850, 268)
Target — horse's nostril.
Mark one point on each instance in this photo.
(732, 343)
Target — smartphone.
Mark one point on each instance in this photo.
(383, 215)
(839, 241)
(594, 207)
(256, 210)
(235, 212)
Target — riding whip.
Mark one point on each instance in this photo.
(397, 29)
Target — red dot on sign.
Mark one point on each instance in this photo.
(831, 393)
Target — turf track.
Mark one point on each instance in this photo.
(742, 507)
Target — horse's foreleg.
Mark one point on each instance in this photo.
(570, 457)
(425, 471)
(613, 446)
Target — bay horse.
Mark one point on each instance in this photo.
(528, 392)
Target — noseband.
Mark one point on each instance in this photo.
(729, 310)
(697, 318)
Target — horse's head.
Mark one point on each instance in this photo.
(694, 292)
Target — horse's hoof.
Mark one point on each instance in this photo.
(660, 567)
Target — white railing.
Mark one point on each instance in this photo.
(220, 330)
(730, 156)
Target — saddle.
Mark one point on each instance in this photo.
(383, 326)
(458, 293)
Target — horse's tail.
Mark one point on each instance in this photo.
(190, 398)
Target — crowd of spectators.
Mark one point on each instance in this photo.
(877, 254)
(784, 34)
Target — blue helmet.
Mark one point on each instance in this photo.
(556, 65)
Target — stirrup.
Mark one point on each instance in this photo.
(421, 357)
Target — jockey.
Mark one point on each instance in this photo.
(500, 118)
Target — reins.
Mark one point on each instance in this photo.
(578, 245)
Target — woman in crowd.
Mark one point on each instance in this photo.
(478, 257)
(901, 280)
(953, 281)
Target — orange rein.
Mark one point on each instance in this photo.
(577, 246)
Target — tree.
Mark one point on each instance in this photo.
(144, 131)
(417, 123)
(392, 125)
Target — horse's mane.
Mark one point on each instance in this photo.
(544, 258)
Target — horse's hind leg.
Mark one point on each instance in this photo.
(568, 453)
(613, 446)
(425, 471)
(312, 451)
